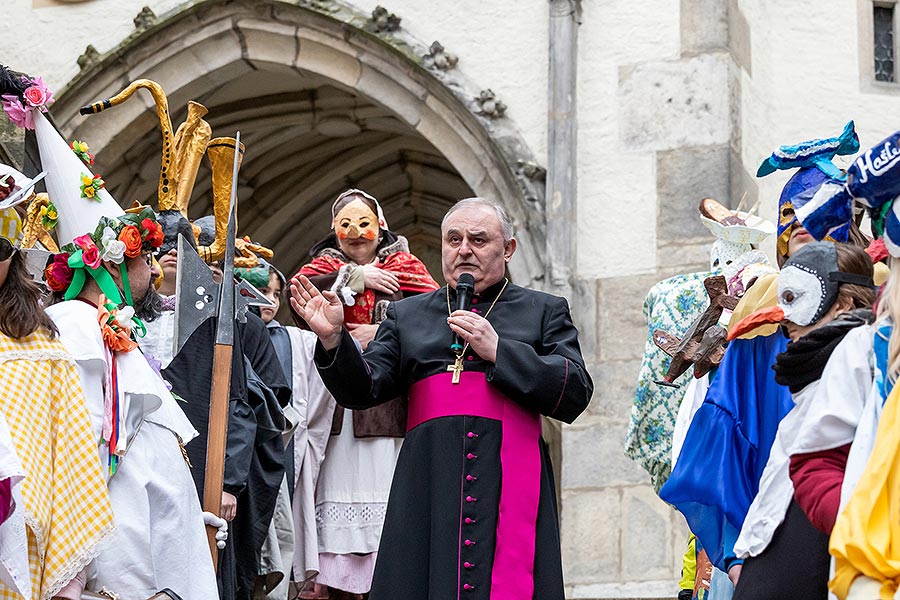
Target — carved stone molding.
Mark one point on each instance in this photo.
(382, 21)
(89, 58)
(325, 6)
(489, 105)
(145, 19)
(565, 8)
(438, 58)
(531, 170)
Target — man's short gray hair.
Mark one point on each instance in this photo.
(506, 225)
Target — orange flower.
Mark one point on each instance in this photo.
(131, 236)
(116, 338)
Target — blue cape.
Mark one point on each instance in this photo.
(727, 445)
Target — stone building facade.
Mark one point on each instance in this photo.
(598, 123)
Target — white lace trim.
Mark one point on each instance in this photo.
(354, 514)
(75, 565)
(37, 355)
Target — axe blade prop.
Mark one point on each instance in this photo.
(221, 376)
(247, 296)
(197, 296)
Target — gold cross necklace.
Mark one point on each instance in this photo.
(457, 367)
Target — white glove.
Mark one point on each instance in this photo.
(220, 524)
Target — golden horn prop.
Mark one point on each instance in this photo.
(191, 141)
(221, 161)
(32, 230)
(247, 253)
(167, 176)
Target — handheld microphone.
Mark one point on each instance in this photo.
(465, 289)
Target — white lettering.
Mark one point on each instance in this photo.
(879, 164)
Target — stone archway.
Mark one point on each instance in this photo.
(324, 100)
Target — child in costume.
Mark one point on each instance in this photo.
(367, 266)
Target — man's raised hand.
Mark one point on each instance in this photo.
(322, 311)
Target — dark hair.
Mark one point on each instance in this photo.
(21, 313)
(853, 259)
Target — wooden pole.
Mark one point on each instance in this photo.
(215, 445)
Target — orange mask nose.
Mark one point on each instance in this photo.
(766, 316)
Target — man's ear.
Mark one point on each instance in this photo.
(114, 272)
(510, 249)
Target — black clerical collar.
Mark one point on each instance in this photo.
(486, 295)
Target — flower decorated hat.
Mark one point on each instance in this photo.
(90, 225)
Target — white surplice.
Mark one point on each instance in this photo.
(315, 406)
(160, 539)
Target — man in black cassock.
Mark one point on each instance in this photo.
(472, 511)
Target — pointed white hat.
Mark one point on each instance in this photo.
(77, 215)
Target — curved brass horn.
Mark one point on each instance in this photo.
(167, 175)
(221, 161)
(32, 230)
(191, 141)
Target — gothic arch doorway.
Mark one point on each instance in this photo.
(322, 105)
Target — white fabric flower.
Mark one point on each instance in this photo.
(113, 250)
(124, 316)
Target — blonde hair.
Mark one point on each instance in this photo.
(889, 308)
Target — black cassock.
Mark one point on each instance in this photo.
(440, 532)
(254, 454)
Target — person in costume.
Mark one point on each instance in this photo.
(728, 442)
(472, 508)
(673, 306)
(256, 388)
(313, 409)
(60, 508)
(825, 291)
(367, 266)
(104, 272)
(855, 488)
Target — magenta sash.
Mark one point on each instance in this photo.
(512, 575)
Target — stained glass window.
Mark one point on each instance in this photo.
(884, 43)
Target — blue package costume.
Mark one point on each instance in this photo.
(727, 445)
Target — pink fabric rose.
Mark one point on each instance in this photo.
(18, 114)
(38, 94)
(90, 254)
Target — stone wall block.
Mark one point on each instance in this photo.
(591, 530)
(326, 61)
(620, 323)
(380, 88)
(739, 37)
(268, 41)
(583, 306)
(704, 25)
(593, 457)
(680, 536)
(646, 536)
(687, 256)
(684, 176)
(665, 105)
(614, 383)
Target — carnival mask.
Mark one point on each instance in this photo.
(796, 193)
(356, 220)
(809, 281)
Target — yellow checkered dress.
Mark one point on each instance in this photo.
(67, 507)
